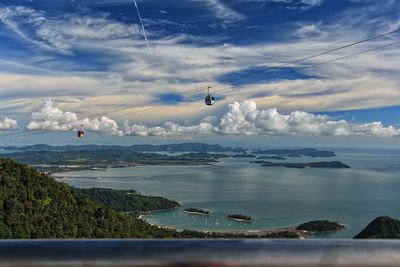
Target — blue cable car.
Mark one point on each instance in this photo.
(210, 99)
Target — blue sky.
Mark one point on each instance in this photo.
(90, 58)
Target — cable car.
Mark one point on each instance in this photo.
(81, 134)
(210, 99)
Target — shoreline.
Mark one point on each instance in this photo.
(265, 233)
(196, 213)
(260, 233)
(63, 169)
(142, 215)
(239, 220)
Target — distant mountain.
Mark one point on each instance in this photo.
(383, 227)
(183, 147)
(36, 206)
(59, 161)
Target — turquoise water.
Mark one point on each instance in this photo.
(274, 197)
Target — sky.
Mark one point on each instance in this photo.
(71, 64)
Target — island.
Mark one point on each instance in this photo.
(323, 164)
(239, 218)
(272, 157)
(258, 162)
(294, 155)
(243, 156)
(181, 147)
(307, 152)
(52, 159)
(320, 226)
(61, 161)
(383, 227)
(197, 211)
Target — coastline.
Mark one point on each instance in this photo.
(165, 219)
(239, 220)
(263, 233)
(196, 213)
(143, 214)
(266, 233)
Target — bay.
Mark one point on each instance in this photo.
(275, 197)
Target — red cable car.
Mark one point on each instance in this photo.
(81, 134)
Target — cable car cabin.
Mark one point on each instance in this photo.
(81, 134)
(210, 100)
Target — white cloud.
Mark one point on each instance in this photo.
(223, 11)
(312, 2)
(311, 30)
(53, 118)
(168, 129)
(294, 4)
(7, 123)
(242, 118)
(246, 119)
(135, 77)
(60, 34)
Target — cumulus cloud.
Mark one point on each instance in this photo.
(7, 123)
(178, 63)
(242, 118)
(50, 117)
(246, 119)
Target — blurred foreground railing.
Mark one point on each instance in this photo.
(117, 253)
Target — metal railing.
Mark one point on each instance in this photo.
(118, 253)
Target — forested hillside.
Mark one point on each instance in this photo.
(33, 205)
(383, 227)
(128, 200)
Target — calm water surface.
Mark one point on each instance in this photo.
(274, 197)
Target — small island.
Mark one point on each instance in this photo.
(322, 164)
(243, 156)
(320, 226)
(297, 153)
(239, 218)
(258, 162)
(197, 211)
(273, 157)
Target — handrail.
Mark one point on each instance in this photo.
(118, 253)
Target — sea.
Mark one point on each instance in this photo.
(275, 197)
